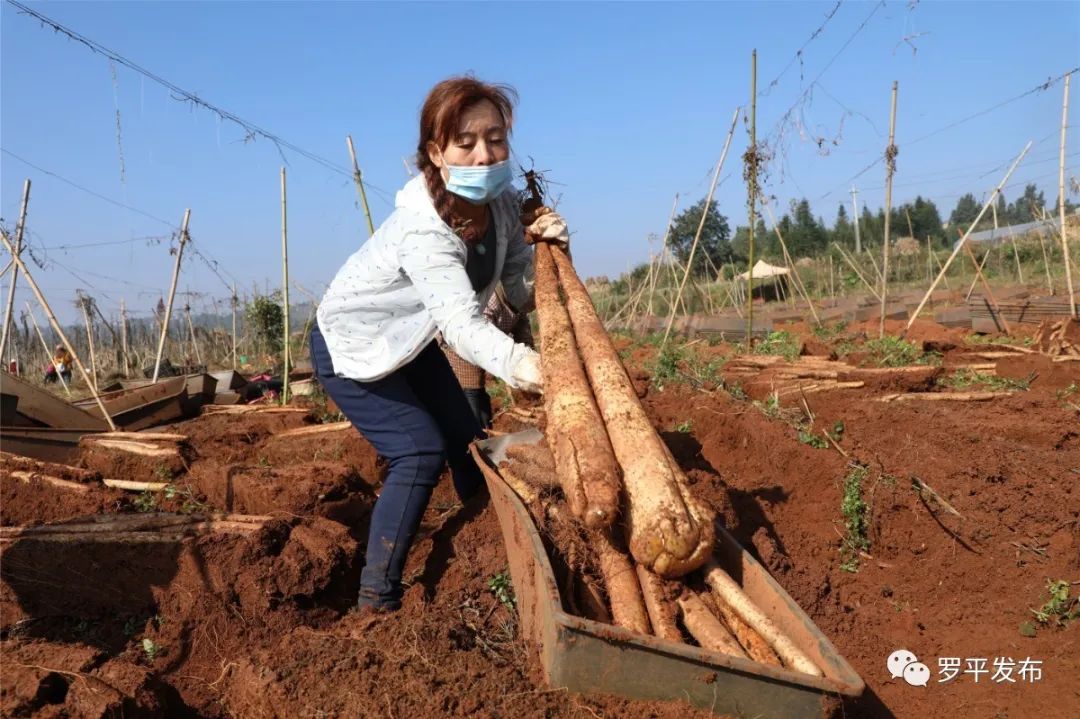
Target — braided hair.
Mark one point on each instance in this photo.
(439, 119)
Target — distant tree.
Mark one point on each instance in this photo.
(925, 220)
(966, 210)
(740, 244)
(1028, 206)
(715, 244)
(807, 236)
(843, 232)
(1070, 207)
(265, 316)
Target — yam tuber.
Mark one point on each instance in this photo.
(661, 611)
(756, 648)
(669, 531)
(624, 592)
(706, 628)
(584, 460)
(727, 590)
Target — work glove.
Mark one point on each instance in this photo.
(545, 225)
(526, 375)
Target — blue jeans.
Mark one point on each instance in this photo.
(418, 419)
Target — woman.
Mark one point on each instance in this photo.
(60, 366)
(455, 233)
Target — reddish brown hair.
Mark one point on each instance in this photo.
(439, 120)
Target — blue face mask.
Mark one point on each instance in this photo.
(479, 184)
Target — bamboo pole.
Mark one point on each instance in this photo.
(751, 201)
(963, 240)
(124, 337)
(235, 300)
(799, 286)
(15, 271)
(890, 170)
(358, 178)
(701, 224)
(191, 329)
(855, 268)
(978, 269)
(45, 346)
(1061, 200)
(663, 251)
(83, 302)
(172, 293)
(56, 326)
(285, 283)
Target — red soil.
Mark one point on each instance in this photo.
(259, 625)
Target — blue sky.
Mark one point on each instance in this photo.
(624, 104)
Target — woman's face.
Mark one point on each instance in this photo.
(481, 139)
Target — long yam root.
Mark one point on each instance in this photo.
(624, 592)
(661, 611)
(669, 531)
(706, 628)
(756, 648)
(584, 460)
(726, 590)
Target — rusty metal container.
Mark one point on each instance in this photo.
(586, 656)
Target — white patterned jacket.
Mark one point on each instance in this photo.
(408, 282)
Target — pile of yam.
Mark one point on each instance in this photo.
(633, 546)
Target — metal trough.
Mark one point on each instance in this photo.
(586, 656)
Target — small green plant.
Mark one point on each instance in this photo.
(665, 369)
(501, 586)
(322, 411)
(780, 343)
(264, 461)
(807, 436)
(736, 391)
(685, 427)
(1060, 608)
(189, 504)
(837, 431)
(854, 510)
(964, 379)
(890, 351)
(163, 472)
(1067, 396)
(830, 332)
(146, 501)
(151, 649)
(771, 406)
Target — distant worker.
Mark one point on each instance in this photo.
(457, 231)
(60, 366)
(473, 379)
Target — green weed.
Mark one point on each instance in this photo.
(830, 332)
(665, 368)
(503, 589)
(964, 379)
(685, 427)
(779, 343)
(146, 501)
(892, 351)
(854, 510)
(807, 436)
(189, 503)
(1060, 608)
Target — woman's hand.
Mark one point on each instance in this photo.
(527, 376)
(545, 225)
